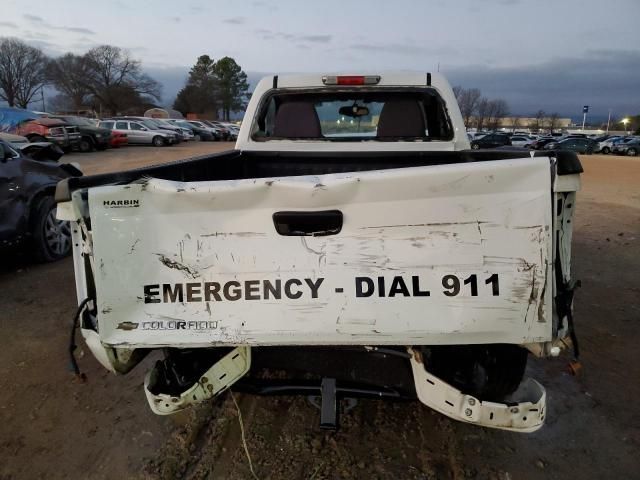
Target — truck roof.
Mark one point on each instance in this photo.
(331, 83)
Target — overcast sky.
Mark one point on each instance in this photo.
(555, 55)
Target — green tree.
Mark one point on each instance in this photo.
(199, 95)
(232, 86)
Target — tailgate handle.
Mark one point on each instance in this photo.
(315, 224)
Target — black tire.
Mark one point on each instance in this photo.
(197, 137)
(632, 152)
(85, 144)
(606, 150)
(475, 146)
(158, 141)
(51, 237)
(488, 372)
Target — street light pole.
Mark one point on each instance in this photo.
(608, 121)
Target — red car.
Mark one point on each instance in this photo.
(118, 139)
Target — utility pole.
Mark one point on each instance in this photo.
(608, 121)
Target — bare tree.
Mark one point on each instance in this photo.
(457, 90)
(553, 121)
(468, 100)
(68, 74)
(22, 72)
(539, 123)
(116, 80)
(515, 123)
(483, 112)
(498, 109)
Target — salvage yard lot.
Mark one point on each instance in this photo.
(55, 427)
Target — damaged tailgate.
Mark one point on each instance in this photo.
(447, 254)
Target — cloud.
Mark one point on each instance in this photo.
(43, 24)
(314, 38)
(33, 18)
(267, 34)
(404, 49)
(235, 20)
(602, 79)
(175, 19)
(8, 25)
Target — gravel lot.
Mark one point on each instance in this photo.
(53, 427)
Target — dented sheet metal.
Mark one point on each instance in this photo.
(427, 255)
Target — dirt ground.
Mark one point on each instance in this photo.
(54, 427)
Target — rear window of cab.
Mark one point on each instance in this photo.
(353, 115)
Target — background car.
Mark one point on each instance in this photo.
(27, 206)
(540, 143)
(199, 133)
(521, 141)
(630, 147)
(91, 137)
(52, 130)
(155, 124)
(214, 131)
(574, 144)
(491, 140)
(139, 134)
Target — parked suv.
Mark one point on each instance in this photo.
(27, 206)
(91, 137)
(137, 133)
(51, 130)
(491, 140)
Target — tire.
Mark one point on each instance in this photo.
(85, 145)
(489, 372)
(196, 137)
(475, 146)
(632, 152)
(606, 150)
(51, 237)
(157, 141)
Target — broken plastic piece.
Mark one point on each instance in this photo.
(224, 373)
(524, 412)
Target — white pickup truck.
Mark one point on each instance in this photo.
(350, 245)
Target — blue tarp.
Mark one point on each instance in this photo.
(10, 118)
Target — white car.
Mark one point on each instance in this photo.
(137, 133)
(521, 141)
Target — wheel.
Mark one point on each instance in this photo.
(475, 146)
(197, 137)
(606, 150)
(589, 151)
(158, 141)
(85, 145)
(632, 152)
(489, 372)
(51, 237)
